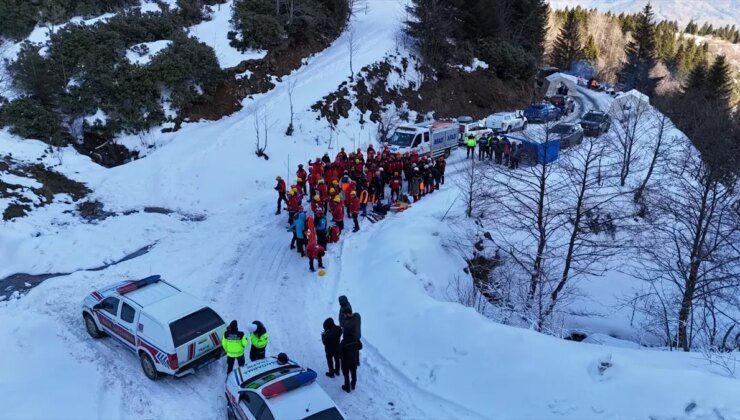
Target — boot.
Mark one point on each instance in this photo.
(344, 387)
(330, 374)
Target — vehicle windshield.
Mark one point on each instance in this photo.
(194, 325)
(328, 414)
(258, 381)
(401, 139)
(592, 117)
(561, 129)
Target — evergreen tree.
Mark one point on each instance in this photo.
(691, 28)
(591, 50)
(641, 55)
(719, 83)
(567, 48)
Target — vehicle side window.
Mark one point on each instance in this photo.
(110, 305)
(417, 140)
(426, 137)
(128, 313)
(256, 405)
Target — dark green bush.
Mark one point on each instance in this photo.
(27, 117)
(20, 16)
(85, 68)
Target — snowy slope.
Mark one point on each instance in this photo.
(424, 356)
(716, 12)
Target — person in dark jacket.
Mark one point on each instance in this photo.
(343, 303)
(351, 346)
(331, 338)
(351, 324)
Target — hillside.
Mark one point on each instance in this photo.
(718, 12)
(197, 207)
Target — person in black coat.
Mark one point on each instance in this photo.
(343, 303)
(351, 346)
(331, 338)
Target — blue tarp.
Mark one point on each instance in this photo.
(545, 152)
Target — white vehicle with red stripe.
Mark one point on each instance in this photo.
(171, 331)
(267, 389)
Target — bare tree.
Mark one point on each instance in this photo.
(589, 213)
(351, 49)
(629, 131)
(523, 206)
(261, 129)
(291, 88)
(658, 153)
(389, 120)
(468, 184)
(691, 248)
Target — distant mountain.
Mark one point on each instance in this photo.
(716, 12)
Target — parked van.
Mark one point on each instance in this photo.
(431, 138)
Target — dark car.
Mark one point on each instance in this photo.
(594, 123)
(542, 113)
(570, 134)
(565, 103)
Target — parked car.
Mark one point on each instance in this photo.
(570, 134)
(565, 103)
(542, 112)
(594, 123)
(506, 122)
(171, 331)
(469, 126)
(268, 389)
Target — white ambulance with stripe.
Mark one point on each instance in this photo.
(170, 331)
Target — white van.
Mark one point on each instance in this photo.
(171, 331)
(431, 138)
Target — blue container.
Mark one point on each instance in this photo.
(544, 152)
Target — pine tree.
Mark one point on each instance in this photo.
(591, 50)
(691, 28)
(719, 83)
(641, 55)
(567, 48)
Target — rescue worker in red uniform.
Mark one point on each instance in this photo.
(353, 207)
(338, 212)
(302, 178)
(280, 188)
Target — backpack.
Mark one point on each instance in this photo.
(334, 233)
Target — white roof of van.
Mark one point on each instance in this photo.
(173, 307)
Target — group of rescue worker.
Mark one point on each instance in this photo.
(342, 344)
(235, 342)
(346, 186)
(495, 148)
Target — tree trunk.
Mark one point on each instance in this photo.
(687, 300)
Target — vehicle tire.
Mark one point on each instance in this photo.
(147, 365)
(508, 130)
(91, 327)
(230, 413)
(524, 126)
(448, 151)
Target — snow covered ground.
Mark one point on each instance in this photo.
(213, 33)
(424, 355)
